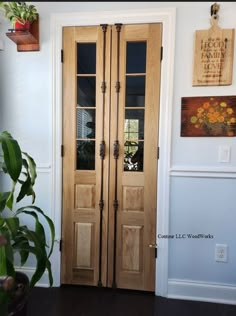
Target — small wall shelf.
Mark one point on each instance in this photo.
(26, 41)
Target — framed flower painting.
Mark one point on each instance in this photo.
(208, 116)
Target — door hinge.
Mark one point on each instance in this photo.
(62, 150)
(161, 53)
(158, 152)
(62, 56)
(155, 252)
(60, 245)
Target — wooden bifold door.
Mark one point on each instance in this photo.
(111, 84)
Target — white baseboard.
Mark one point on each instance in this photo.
(201, 291)
(177, 289)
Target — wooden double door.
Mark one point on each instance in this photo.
(111, 81)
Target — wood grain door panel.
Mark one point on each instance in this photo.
(85, 235)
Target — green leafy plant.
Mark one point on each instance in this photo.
(15, 235)
(19, 11)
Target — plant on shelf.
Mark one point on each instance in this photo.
(20, 14)
(18, 240)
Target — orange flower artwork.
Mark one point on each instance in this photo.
(208, 116)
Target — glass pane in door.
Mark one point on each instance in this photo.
(134, 105)
(136, 57)
(86, 127)
(134, 124)
(86, 91)
(85, 155)
(133, 140)
(86, 106)
(135, 91)
(133, 159)
(86, 58)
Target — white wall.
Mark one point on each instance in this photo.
(202, 190)
(200, 201)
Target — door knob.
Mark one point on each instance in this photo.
(152, 245)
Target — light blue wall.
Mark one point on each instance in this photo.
(202, 206)
(199, 202)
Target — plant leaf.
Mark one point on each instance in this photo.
(40, 254)
(8, 251)
(31, 167)
(23, 247)
(49, 221)
(3, 261)
(40, 268)
(2, 222)
(27, 185)
(13, 225)
(39, 229)
(48, 265)
(9, 202)
(3, 200)
(24, 189)
(12, 155)
(33, 237)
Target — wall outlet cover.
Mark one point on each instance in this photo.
(224, 154)
(221, 253)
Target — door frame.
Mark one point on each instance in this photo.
(166, 16)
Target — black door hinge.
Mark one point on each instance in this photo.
(155, 252)
(161, 53)
(60, 245)
(62, 150)
(158, 152)
(62, 56)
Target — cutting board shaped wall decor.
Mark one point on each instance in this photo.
(213, 56)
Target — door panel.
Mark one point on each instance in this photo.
(137, 187)
(82, 132)
(111, 79)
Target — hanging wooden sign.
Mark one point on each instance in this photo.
(213, 56)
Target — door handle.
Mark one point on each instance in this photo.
(153, 246)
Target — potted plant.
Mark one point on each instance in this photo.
(15, 236)
(20, 14)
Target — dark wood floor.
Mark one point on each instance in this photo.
(89, 301)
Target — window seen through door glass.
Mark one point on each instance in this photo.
(133, 140)
(86, 123)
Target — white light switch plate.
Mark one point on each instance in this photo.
(224, 154)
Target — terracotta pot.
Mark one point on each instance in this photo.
(19, 296)
(19, 25)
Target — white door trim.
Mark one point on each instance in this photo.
(166, 16)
